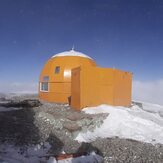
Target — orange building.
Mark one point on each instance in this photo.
(95, 86)
(55, 78)
(73, 77)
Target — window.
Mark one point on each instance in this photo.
(44, 87)
(57, 69)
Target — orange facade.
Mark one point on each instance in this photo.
(95, 86)
(55, 78)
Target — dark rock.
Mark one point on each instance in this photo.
(138, 104)
(25, 103)
(31, 103)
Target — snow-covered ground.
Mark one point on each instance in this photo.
(153, 108)
(37, 154)
(142, 124)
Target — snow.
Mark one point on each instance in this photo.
(71, 53)
(37, 154)
(153, 108)
(144, 125)
(82, 159)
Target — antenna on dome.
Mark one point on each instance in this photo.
(73, 47)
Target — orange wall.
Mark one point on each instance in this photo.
(58, 92)
(122, 88)
(95, 86)
(87, 84)
(60, 84)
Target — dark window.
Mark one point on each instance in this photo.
(44, 86)
(57, 69)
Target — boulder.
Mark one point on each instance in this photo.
(71, 127)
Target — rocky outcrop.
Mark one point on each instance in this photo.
(24, 103)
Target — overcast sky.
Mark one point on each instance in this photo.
(125, 34)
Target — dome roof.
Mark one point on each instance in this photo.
(71, 53)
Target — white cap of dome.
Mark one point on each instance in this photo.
(71, 53)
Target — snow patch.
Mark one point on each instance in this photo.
(153, 108)
(132, 123)
(71, 53)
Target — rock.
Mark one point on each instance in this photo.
(31, 103)
(58, 125)
(51, 120)
(75, 116)
(71, 127)
(25, 103)
(138, 104)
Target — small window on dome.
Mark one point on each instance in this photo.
(57, 69)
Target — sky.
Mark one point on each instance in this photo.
(124, 34)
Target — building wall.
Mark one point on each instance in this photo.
(60, 84)
(122, 88)
(95, 86)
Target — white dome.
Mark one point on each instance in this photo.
(71, 53)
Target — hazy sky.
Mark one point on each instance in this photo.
(125, 34)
